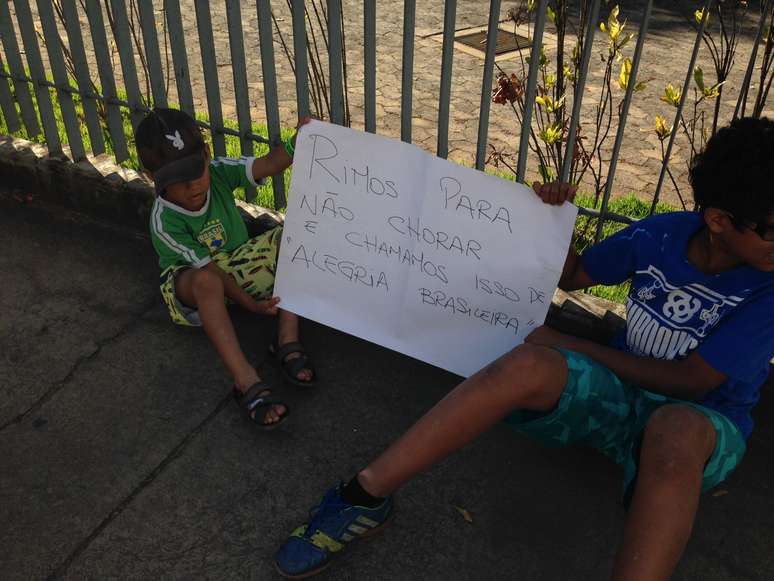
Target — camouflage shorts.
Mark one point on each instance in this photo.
(599, 410)
(252, 265)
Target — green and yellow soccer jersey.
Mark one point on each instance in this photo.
(183, 237)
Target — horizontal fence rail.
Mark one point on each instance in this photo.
(26, 84)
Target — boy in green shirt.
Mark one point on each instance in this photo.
(206, 256)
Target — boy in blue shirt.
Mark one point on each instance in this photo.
(669, 401)
(206, 257)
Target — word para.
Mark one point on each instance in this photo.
(347, 269)
(452, 191)
(460, 306)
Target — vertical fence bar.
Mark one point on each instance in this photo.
(741, 103)
(270, 89)
(409, 25)
(152, 55)
(238, 67)
(302, 66)
(529, 97)
(7, 105)
(126, 56)
(588, 47)
(447, 60)
(179, 57)
(106, 79)
(623, 117)
(211, 83)
(56, 60)
(696, 45)
(38, 74)
(82, 76)
(486, 82)
(334, 61)
(369, 64)
(16, 68)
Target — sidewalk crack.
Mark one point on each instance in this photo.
(61, 570)
(57, 386)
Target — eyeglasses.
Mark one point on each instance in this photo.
(764, 230)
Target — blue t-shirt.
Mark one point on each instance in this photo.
(674, 309)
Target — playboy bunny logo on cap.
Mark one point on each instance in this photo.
(176, 140)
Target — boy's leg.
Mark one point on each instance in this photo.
(203, 290)
(529, 377)
(253, 266)
(677, 443)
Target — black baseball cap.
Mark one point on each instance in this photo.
(171, 147)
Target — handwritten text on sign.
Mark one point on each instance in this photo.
(394, 245)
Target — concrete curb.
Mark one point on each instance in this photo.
(97, 186)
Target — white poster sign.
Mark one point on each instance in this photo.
(437, 261)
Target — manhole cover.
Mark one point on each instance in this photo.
(506, 41)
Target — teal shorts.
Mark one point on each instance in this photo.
(599, 410)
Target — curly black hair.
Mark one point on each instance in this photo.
(735, 172)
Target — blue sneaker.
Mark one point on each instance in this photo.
(333, 524)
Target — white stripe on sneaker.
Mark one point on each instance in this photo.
(364, 520)
(357, 529)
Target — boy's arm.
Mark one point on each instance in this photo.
(237, 294)
(689, 379)
(274, 162)
(574, 277)
(278, 159)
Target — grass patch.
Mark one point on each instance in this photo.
(264, 194)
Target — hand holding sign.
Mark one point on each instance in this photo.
(437, 261)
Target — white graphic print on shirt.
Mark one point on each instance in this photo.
(666, 321)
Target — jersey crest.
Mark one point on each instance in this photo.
(213, 236)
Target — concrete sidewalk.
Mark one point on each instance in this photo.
(122, 457)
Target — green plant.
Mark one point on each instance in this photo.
(558, 79)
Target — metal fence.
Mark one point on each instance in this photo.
(66, 82)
